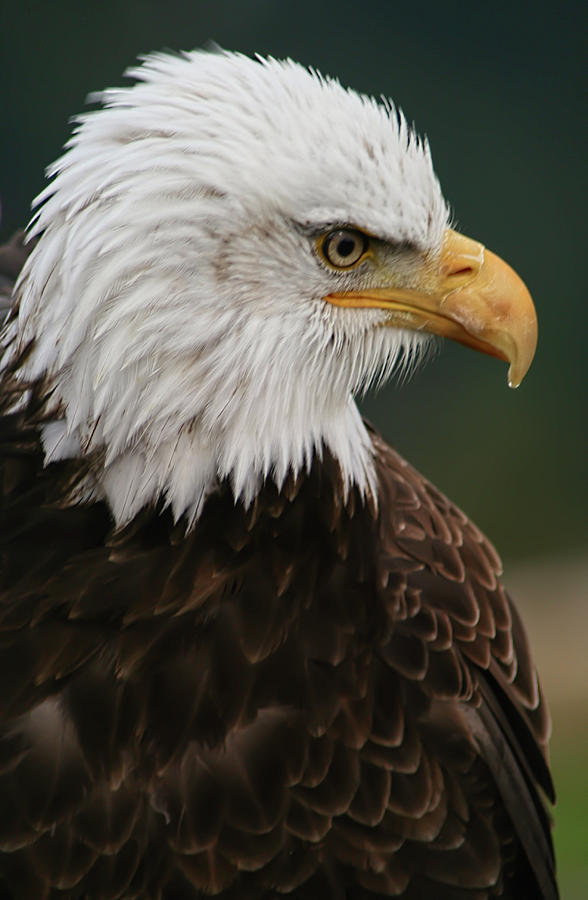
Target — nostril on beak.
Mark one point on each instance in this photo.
(461, 257)
(463, 270)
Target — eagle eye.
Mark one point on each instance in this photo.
(344, 247)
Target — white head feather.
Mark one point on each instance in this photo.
(175, 297)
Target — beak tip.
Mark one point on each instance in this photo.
(518, 369)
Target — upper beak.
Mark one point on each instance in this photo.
(471, 296)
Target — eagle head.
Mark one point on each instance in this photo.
(230, 250)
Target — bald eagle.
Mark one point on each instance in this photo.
(246, 650)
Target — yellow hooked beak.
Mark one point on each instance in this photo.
(471, 296)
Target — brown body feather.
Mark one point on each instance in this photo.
(309, 698)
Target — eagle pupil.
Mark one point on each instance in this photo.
(346, 246)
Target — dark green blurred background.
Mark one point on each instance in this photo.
(498, 89)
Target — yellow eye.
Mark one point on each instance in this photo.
(344, 248)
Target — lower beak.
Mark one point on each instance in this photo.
(471, 296)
